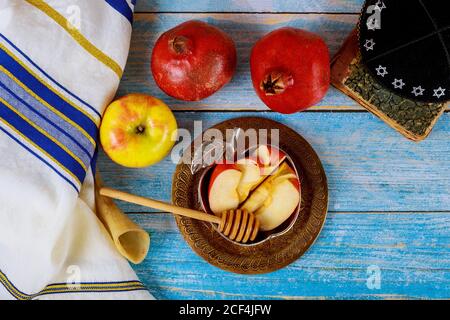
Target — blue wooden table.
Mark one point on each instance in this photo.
(388, 229)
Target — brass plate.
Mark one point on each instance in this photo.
(276, 253)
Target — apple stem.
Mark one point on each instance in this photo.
(140, 129)
(181, 45)
(276, 82)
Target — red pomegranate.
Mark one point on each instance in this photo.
(193, 61)
(290, 69)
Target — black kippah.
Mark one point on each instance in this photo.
(406, 46)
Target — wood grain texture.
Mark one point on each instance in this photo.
(410, 249)
(245, 29)
(389, 197)
(370, 167)
(249, 6)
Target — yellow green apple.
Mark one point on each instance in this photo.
(138, 130)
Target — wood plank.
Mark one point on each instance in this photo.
(411, 251)
(370, 167)
(249, 6)
(239, 94)
(246, 29)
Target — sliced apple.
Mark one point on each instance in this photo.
(261, 193)
(231, 184)
(222, 191)
(269, 159)
(261, 163)
(257, 198)
(279, 206)
(264, 156)
(251, 177)
(276, 199)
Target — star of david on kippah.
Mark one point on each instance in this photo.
(402, 43)
(398, 84)
(418, 91)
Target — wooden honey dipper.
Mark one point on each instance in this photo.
(237, 225)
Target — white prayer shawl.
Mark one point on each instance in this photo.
(60, 65)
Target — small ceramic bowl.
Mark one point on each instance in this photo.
(262, 236)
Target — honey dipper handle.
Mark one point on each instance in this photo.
(150, 203)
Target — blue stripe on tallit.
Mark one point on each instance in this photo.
(49, 77)
(30, 113)
(47, 163)
(62, 127)
(123, 8)
(43, 142)
(47, 95)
